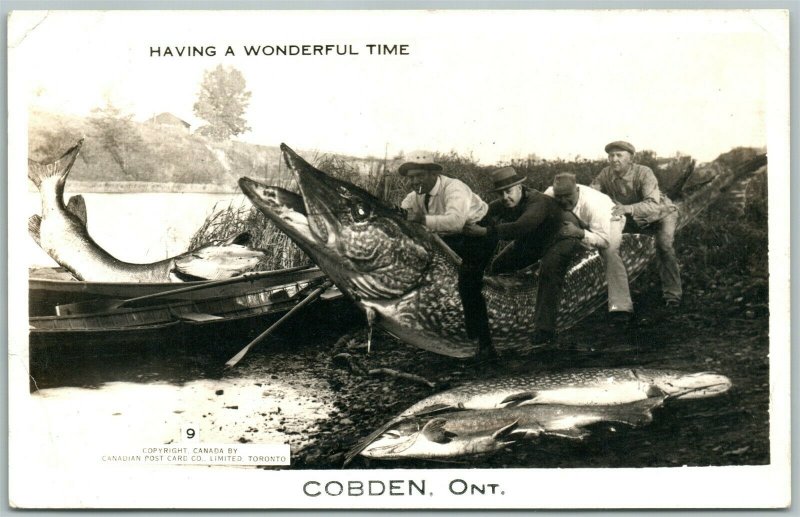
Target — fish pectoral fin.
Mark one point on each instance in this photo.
(77, 207)
(504, 432)
(572, 433)
(518, 398)
(436, 409)
(517, 436)
(34, 227)
(435, 432)
(637, 413)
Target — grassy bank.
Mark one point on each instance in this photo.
(281, 252)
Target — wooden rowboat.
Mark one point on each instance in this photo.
(50, 287)
(233, 306)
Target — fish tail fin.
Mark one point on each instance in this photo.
(60, 168)
(34, 223)
(728, 170)
(360, 446)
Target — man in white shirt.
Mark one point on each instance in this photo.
(598, 229)
(444, 205)
(441, 203)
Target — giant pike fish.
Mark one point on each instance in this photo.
(405, 277)
(579, 387)
(480, 432)
(61, 232)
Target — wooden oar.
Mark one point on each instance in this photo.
(91, 306)
(313, 295)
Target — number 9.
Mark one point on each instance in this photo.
(190, 433)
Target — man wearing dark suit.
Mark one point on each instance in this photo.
(533, 223)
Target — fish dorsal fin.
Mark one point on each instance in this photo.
(34, 225)
(436, 409)
(435, 432)
(242, 239)
(571, 432)
(518, 398)
(505, 432)
(77, 207)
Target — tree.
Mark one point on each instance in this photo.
(116, 134)
(222, 102)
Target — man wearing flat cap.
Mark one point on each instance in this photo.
(444, 205)
(634, 189)
(532, 222)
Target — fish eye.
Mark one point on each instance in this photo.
(360, 212)
(343, 191)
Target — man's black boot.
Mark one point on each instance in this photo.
(543, 337)
(486, 353)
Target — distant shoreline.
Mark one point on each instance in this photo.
(132, 187)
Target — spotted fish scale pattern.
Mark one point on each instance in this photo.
(511, 299)
(404, 276)
(488, 394)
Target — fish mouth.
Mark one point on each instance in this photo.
(321, 198)
(701, 385)
(312, 217)
(285, 209)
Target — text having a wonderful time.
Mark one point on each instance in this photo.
(371, 49)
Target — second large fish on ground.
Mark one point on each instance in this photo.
(579, 387)
(477, 432)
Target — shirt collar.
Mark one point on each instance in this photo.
(625, 175)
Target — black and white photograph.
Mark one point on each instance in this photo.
(399, 259)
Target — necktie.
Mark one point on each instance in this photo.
(427, 200)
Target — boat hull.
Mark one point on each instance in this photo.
(50, 287)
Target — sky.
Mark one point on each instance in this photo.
(493, 84)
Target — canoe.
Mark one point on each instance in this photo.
(49, 287)
(233, 307)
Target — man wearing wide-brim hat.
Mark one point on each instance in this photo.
(634, 189)
(531, 221)
(444, 205)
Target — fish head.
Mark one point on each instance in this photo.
(366, 247)
(683, 385)
(431, 439)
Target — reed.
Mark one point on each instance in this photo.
(380, 179)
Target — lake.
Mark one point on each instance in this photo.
(139, 227)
